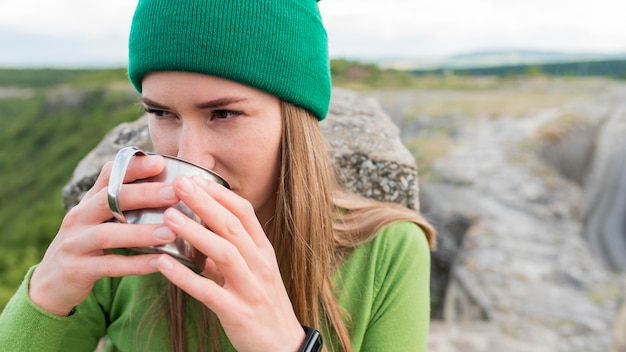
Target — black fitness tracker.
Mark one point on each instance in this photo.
(312, 341)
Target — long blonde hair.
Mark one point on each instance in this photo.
(310, 236)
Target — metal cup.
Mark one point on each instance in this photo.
(179, 249)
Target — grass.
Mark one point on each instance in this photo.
(488, 97)
(427, 149)
(45, 133)
(445, 107)
(558, 128)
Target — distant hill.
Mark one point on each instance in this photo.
(598, 68)
(492, 58)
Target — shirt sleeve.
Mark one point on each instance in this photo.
(400, 313)
(26, 327)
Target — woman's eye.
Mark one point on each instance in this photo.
(158, 113)
(225, 114)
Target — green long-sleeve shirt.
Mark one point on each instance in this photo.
(384, 286)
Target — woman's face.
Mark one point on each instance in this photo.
(224, 126)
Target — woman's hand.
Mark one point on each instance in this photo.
(78, 255)
(245, 288)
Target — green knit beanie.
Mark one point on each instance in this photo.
(277, 46)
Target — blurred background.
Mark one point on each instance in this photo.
(515, 112)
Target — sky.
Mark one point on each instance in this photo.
(86, 32)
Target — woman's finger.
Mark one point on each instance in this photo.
(118, 265)
(94, 206)
(238, 206)
(96, 209)
(147, 195)
(113, 235)
(139, 167)
(206, 291)
(222, 221)
(224, 254)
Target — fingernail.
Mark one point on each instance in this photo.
(150, 161)
(175, 217)
(201, 181)
(163, 233)
(166, 263)
(186, 185)
(153, 263)
(167, 193)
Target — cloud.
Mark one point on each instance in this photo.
(97, 31)
(70, 18)
(21, 49)
(445, 27)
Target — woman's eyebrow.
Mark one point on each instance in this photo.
(205, 105)
(220, 102)
(152, 103)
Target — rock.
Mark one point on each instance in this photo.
(572, 155)
(521, 273)
(524, 268)
(369, 155)
(619, 330)
(605, 194)
(451, 228)
(363, 142)
(594, 155)
(127, 134)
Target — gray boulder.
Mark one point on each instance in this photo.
(369, 155)
(605, 193)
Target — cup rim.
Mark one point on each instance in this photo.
(222, 180)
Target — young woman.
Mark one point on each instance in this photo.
(238, 87)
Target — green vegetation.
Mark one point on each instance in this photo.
(428, 148)
(42, 78)
(606, 68)
(360, 76)
(45, 133)
(363, 76)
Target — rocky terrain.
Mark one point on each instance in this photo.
(539, 194)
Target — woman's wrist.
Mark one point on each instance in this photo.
(40, 294)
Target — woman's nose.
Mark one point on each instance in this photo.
(194, 147)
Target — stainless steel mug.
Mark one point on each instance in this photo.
(179, 249)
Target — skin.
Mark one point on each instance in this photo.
(221, 125)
